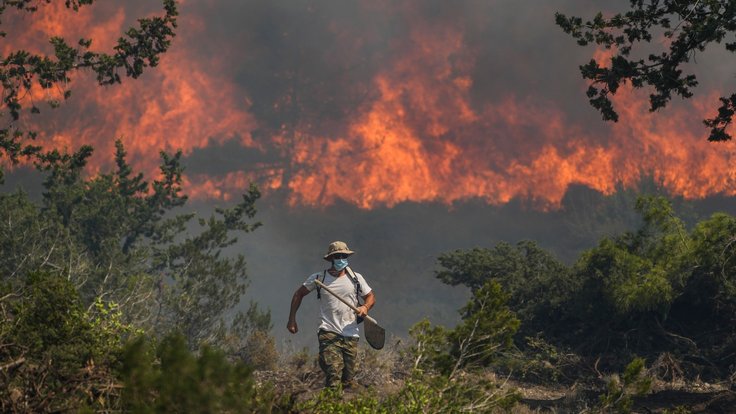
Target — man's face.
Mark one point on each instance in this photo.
(339, 261)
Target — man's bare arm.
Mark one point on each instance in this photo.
(369, 301)
(296, 301)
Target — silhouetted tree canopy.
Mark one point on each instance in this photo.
(689, 27)
(21, 71)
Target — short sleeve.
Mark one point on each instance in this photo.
(309, 283)
(364, 287)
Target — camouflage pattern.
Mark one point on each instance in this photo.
(337, 356)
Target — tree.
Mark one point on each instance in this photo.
(537, 283)
(641, 271)
(628, 284)
(488, 328)
(689, 26)
(21, 71)
(660, 288)
(118, 239)
(201, 285)
(706, 310)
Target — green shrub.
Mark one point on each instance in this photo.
(439, 394)
(540, 361)
(538, 284)
(332, 401)
(620, 393)
(421, 393)
(167, 377)
(59, 357)
(430, 348)
(488, 327)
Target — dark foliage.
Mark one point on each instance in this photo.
(535, 281)
(166, 377)
(54, 357)
(690, 26)
(20, 71)
(660, 289)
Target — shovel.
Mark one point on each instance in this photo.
(374, 334)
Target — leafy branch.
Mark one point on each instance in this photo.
(22, 71)
(689, 27)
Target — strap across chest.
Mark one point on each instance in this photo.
(351, 275)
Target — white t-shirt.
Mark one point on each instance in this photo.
(336, 316)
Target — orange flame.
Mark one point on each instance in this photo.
(422, 139)
(171, 107)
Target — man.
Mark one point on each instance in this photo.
(338, 331)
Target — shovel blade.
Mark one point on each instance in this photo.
(374, 334)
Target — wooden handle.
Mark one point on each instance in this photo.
(322, 285)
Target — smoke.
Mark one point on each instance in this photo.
(418, 101)
(397, 248)
(406, 127)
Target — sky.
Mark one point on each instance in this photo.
(407, 128)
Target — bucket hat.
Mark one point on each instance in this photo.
(337, 247)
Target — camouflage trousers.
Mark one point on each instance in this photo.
(337, 356)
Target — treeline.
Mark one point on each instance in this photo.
(663, 288)
(112, 301)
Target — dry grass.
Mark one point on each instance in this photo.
(384, 373)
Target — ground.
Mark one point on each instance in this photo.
(303, 380)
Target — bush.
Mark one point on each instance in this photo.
(421, 393)
(260, 351)
(167, 377)
(542, 362)
(538, 284)
(621, 391)
(57, 358)
(488, 327)
(430, 348)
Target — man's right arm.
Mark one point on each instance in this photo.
(296, 301)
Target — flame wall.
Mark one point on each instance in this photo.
(374, 103)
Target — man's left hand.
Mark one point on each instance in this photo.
(362, 310)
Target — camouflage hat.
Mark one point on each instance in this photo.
(337, 247)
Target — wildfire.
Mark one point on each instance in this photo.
(422, 137)
(178, 105)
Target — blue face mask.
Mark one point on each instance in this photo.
(340, 264)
